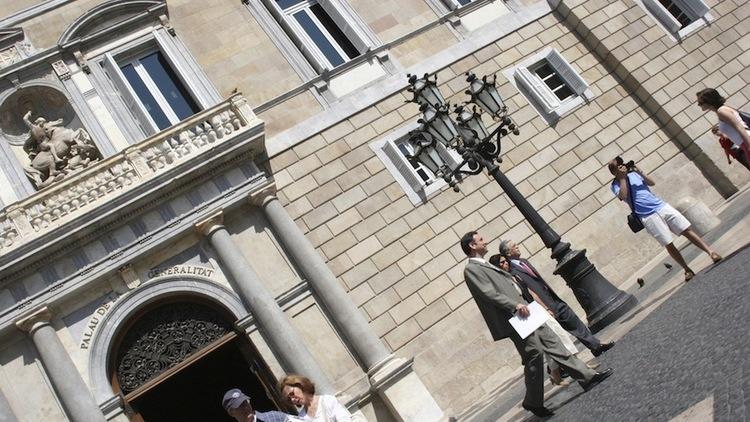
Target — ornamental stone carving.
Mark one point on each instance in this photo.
(55, 151)
(165, 337)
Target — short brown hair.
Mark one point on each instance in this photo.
(303, 383)
(710, 96)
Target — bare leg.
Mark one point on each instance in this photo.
(677, 256)
(698, 241)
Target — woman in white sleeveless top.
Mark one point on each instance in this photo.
(730, 122)
(300, 391)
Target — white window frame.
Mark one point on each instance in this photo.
(696, 10)
(456, 4)
(155, 92)
(353, 28)
(539, 94)
(417, 189)
(130, 113)
(305, 6)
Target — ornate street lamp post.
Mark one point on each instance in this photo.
(479, 150)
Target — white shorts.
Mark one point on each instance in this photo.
(660, 223)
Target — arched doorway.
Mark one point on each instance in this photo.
(175, 359)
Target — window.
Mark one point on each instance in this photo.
(551, 84)
(155, 81)
(326, 32)
(679, 17)
(417, 181)
(158, 89)
(310, 20)
(454, 4)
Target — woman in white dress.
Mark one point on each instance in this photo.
(730, 122)
(300, 391)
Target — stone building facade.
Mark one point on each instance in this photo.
(214, 196)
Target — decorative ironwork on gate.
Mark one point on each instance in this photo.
(163, 338)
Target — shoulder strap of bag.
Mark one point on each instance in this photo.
(631, 201)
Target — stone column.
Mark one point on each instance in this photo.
(73, 393)
(392, 377)
(6, 413)
(283, 339)
(345, 314)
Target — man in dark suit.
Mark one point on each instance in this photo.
(530, 277)
(498, 300)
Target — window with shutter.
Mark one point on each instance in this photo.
(415, 181)
(536, 87)
(679, 17)
(566, 72)
(551, 83)
(663, 15)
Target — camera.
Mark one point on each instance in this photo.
(630, 165)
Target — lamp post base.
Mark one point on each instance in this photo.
(602, 302)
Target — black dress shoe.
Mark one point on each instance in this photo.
(597, 378)
(540, 411)
(602, 348)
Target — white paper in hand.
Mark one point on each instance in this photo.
(525, 326)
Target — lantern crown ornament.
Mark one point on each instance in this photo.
(483, 92)
(425, 90)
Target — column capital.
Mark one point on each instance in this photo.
(260, 197)
(210, 224)
(34, 320)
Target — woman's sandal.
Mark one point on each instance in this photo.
(716, 257)
(689, 276)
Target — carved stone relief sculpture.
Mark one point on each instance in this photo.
(45, 135)
(55, 151)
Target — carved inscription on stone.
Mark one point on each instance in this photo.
(180, 270)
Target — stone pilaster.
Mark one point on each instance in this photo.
(76, 399)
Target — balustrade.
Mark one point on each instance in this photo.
(59, 203)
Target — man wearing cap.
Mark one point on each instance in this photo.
(238, 406)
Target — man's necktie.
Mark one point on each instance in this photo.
(527, 269)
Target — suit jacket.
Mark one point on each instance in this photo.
(537, 285)
(494, 292)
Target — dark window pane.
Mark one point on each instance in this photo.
(423, 174)
(544, 71)
(283, 4)
(675, 11)
(318, 38)
(564, 92)
(464, 2)
(148, 101)
(335, 31)
(169, 85)
(553, 82)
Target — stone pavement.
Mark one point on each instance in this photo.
(679, 353)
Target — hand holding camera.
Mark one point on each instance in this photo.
(624, 168)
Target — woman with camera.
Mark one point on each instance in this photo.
(659, 218)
